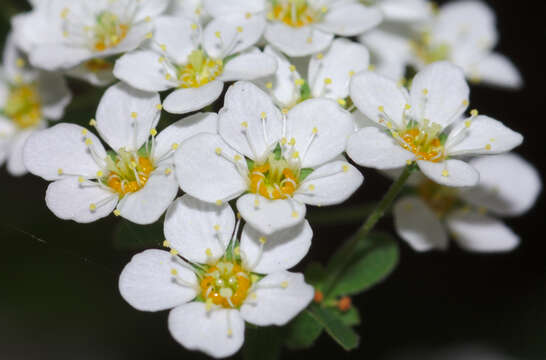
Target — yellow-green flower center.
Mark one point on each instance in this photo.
(441, 199)
(23, 105)
(128, 172)
(428, 51)
(108, 31)
(295, 13)
(199, 70)
(226, 284)
(274, 179)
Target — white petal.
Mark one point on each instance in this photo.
(418, 225)
(269, 216)
(439, 93)
(237, 33)
(220, 8)
(344, 59)
(496, 69)
(52, 57)
(199, 231)
(509, 185)
(62, 147)
(452, 172)
(372, 147)
(321, 129)
(240, 121)
(350, 19)
(282, 84)
(218, 333)
(281, 251)
(406, 10)
(147, 283)
(126, 115)
(481, 233)
(151, 9)
(54, 95)
(297, 42)
(278, 299)
(484, 136)
(177, 36)
(249, 66)
(136, 36)
(171, 137)
(16, 164)
(142, 70)
(330, 184)
(186, 100)
(204, 174)
(148, 204)
(70, 200)
(379, 98)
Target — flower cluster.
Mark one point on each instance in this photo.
(305, 104)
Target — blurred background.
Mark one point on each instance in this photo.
(58, 279)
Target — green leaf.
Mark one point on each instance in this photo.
(350, 317)
(374, 259)
(341, 333)
(305, 173)
(264, 343)
(303, 331)
(315, 273)
(129, 236)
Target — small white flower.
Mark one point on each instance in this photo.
(277, 163)
(509, 186)
(300, 27)
(28, 98)
(218, 282)
(63, 34)
(192, 9)
(425, 125)
(195, 64)
(136, 178)
(403, 10)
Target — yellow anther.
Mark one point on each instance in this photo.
(389, 124)
(161, 59)
(324, 9)
(315, 130)
(163, 47)
(218, 151)
(216, 227)
(445, 173)
(299, 82)
(84, 131)
(92, 207)
(174, 146)
(174, 272)
(327, 81)
(263, 115)
(248, 15)
(292, 68)
(65, 13)
(194, 26)
(284, 111)
(88, 141)
(208, 252)
(381, 109)
(371, 67)
(465, 102)
(229, 332)
(253, 296)
(148, 19)
(309, 40)
(239, 29)
(174, 252)
(292, 142)
(168, 171)
(425, 91)
(467, 123)
(244, 124)
(149, 35)
(320, 56)
(117, 212)
(269, 85)
(345, 168)
(217, 34)
(256, 202)
(219, 202)
(59, 171)
(295, 155)
(153, 132)
(81, 179)
(166, 243)
(134, 115)
(284, 141)
(92, 122)
(284, 284)
(351, 73)
(409, 162)
(488, 147)
(168, 76)
(100, 174)
(20, 63)
(341, 102)
(311, 187)
(474, 112)
(407, 106)
(237, 157)
(65, 33)
(295, 214)
(263, 240)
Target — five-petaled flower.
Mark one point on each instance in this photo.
(214, 279)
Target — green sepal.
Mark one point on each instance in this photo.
(305, 172)
(249, 163)
(277, 152)
(305, 91)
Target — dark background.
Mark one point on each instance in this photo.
(58, 279)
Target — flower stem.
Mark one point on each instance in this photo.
(349, 247)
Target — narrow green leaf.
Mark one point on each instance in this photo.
(264, 343)
(302, 332)
(374, 259)
(341, 333)
(129, 236)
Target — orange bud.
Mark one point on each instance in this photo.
(344, 304)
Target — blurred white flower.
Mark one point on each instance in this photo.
(403, 10)
(192, 9)
(81, 36)
(195, 64)
(300, 27)
(136, 178)
(28, 98)
(217, 283)
(509, 186)
(277, 163)
(425, 125)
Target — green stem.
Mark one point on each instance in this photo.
(349, 247)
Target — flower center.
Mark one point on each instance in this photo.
(428, 52)
(226, 284)
(128, 172)
(441, 199)
(108, 31)
(295, 13)
(277, 178)
(199, 70)
(98, 65)
(425, 141)
(23, 105)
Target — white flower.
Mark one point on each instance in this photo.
(192, 9)
(224, 282)
(509, 186)
(28, 98)
(63, 34)
(136, 178)
(195, 64)
(300, 27)
(403, 10)
(425, 125)
(277, 163)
